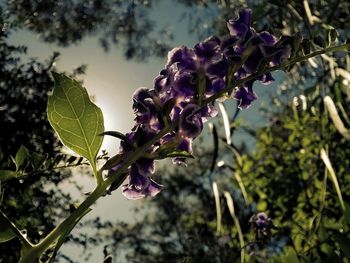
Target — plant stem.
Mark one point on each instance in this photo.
(25, 242)
(97, 193)
(119, 176)
(58, 230)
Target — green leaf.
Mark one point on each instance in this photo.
(7, 174)
(36, 160)
(291, 256)
(332, 36)
(77, 121)
(6, 233)
(175, 153)
(21, 158)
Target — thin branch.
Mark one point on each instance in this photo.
(4, 219)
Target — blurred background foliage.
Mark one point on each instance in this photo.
(283, 176)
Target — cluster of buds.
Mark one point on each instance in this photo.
(182, 90)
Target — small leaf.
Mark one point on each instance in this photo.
(7, 174)
(115, 134)
(6, 233)
(76, 119)
(215, 154)
(108, 259)
(174, 154)
(36, 160)
(21, 158)
(71, 160)
(332, 36)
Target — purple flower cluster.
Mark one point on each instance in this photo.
(262, 224)
(190, 76)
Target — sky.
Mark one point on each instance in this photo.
(112, 80)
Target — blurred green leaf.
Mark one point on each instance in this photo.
(7, 174)
(36, 160)
(291, 256)
(6, 233)
(77, 121)
(175, 153)
(21, 158)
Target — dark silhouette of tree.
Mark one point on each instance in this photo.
(29, 201)
(117, 22)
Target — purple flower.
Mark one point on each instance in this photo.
(240, 25)
(178, 89)
(210, 59)
(185, 84)
(190, 123)
(245, 95)
(144, 106)
(261, 222)
(183, 57)
(140, 185)
(151, 189)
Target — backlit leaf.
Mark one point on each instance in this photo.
(77, 121)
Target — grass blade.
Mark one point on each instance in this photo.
(231, 208)
(218, 207)
(327, 162)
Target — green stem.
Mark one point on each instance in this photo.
(5, 220)
(97, 193)
(119, 176)
(75, 215)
